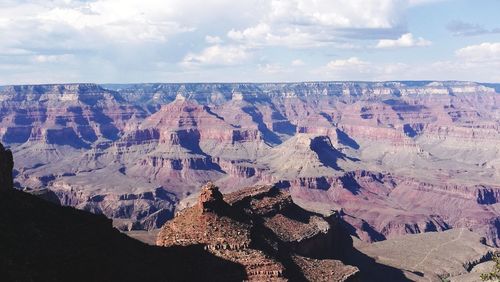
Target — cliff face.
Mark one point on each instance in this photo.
(6, 166)
(221, 92)
(261, 229)
(75, 115)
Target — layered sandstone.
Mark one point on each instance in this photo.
(385, 154)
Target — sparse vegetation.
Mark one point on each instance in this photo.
(494, 275)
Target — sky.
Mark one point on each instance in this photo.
(133, 41)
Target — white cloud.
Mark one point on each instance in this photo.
(7, 51)
(134, 40)
(213, 39)
(273, 69)
(53, 58)
(306, 23)
(254, 33)
(422, 2)
(95, 24)
(479, 62)
(406, 40)
(354, 68)
(217, 55)
(337, 13)
(297, 63)
(262, 35)
(347, 63)
(484, 52)
(116, 20)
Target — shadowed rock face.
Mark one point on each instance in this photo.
(42, 241)
(261, 229)
(211, 199)
(394, 157)
(6, 166)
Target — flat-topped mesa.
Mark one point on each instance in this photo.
(211, 199)
(6, 166)
(221, 92)
(85, 92)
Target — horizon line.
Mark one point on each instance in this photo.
(242, 82)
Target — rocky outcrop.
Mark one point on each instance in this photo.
(223, 232)
(263, 230)
(211, 200)
(6, 166)
(46, 195)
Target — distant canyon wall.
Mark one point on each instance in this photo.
(393, 157)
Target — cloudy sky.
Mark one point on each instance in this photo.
(119, 41)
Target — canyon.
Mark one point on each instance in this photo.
(389, 158)
(254, 234)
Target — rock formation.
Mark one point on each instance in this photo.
(392, 157)
(261, 229)
(6, 166)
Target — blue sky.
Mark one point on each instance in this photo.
(120, 41)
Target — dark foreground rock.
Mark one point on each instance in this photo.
(6, 166)
(42, 241)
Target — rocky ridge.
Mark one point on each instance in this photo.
(264, 231)
(42, 241)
